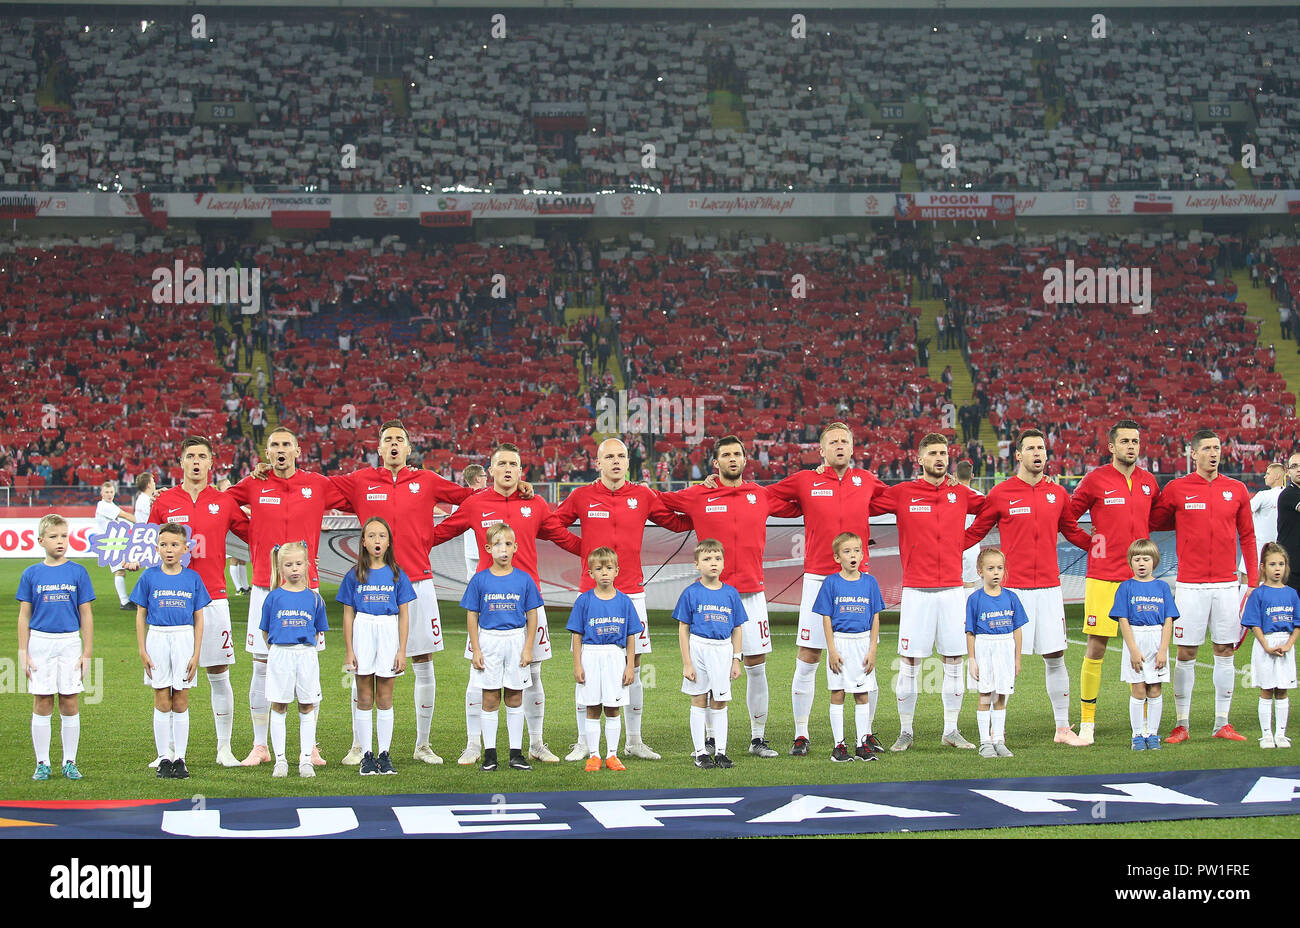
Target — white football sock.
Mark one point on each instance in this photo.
(241, 576)
(223, 706)
(425, 689)
(636, 701)
(257, 705)
(364, 722)
(720, 729)
(1058, 689)
(581, 713)
(119, 583)
(905, 689)
(1137, 716)
(515, 727)
(1155, 709)
(384, 728)
(862, 720)
(697, 728)
(180, 734)
(952, 696)
(41, 737)
(473, 710)
(1225, 677)
(534, 703)
(983, 720)
(998, 726)
(70, 733)
(306, 734)
(837, 723)
(277, 725)
(756, 698)
(234, 578)
(613, 726)
(801, 695)
(872, 698)
(1283, 708)
(1266, 717)
(162, 732)
(488, 728)
(592, 737)
(1184, 681)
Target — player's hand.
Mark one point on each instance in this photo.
(735, 669)
(869, 662)
(131, 566)
(192, 668)
(477, 661)
(711, 481)
(688, 671)
(525, 490)
(350, 663)
(820, 468)
(580, 677)
(835, 662)
(526, 657)
(629, 674)
(399, 662)
(261, 470)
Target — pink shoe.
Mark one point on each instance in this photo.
(316, 759)
(259, 755)
(1066, 735)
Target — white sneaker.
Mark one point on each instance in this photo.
(1267, 740)
(225, 758)
(281, 769)
(425, 753)
(353, 757)
(541, 752)
(579, 751)
(154, 764)
(1086, 731)
(1281, 740)
(470, 755)
(642, 750)
(305, 769)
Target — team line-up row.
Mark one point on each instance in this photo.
(1209, 513)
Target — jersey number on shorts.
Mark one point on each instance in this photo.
(764, 632)
(544, 639)
(225, 638)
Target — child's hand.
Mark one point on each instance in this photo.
(28, 667)
(148, 664)
(580, 677)
(476, 661)
(629, 674)
(399, 663)
(688, 671)
(835, 662)
(1017, 665)
(974, 669)
(526, 657)
(192, 668)
(84, 664)
(735, 669)
(350, 663)
(1283, 648)
(1162, 658)
(131, 566)
(1275, 652)
(1136, 661)
(869, 662)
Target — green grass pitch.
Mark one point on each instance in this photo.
(117, 738)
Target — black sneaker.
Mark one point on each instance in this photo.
(874, 744)
(722, 760)
(800, 747)
(710, 746)
(127, 607)
(368, 765)
(178, 769)
(385, 763)
(840, 753)
(518, 761)
(489, 759)
(164, 769)
(864, 752)
(703, 761)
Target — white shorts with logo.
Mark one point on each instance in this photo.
(853, 677)
(756, 633)
(995, 658)
(602, 669)
(1147, 639)
(711, 658)
(424, 629)
(1213, 607)
(254, 644)
(932, 620)
(217, 649)
(374, 644)
(811, 632)
(293, 674)
(502, 649)
(56, 661)
(541, 640)
(1270, 672)
(1045, 609)
(170, 648)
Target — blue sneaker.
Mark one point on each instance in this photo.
(1153, 742)
(1139, 743)
(70, 770)
(42, 772)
